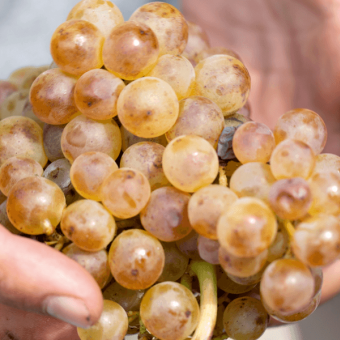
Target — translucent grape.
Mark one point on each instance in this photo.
(303, 125)
(168, 24)
(4, 220)
(210, 51)
(103, 14)
(190, 163)
(175, 264)
(52, 141)
(174, 303)
(131, 50)
(229, 286)
(96, 94)
(249, 280)
(6, 89)
(224, 80)
(325, 188)
(21, 137)
(96, 263)
(52, 97)
(188, 245)
(247, 228)
(136, 259)
(327, 162)
(292, 158)
(208, 249)
(27, 111)
(206, 206)
(84, 134)
(148, 107)
(280, 245)
(147, 158)
(125, 192)
(88, 225)
(112, 324)
(177, 71)
(88, 172)
(252, 179)
(15, 169)
(35, 205)
(166, 214)
(76, 47)
(245, 319)
(253, 142)
(198, 116)
(290, 198)
(287, 286)
(13, 104)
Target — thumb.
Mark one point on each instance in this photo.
(37, 278)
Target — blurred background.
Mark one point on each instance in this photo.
(26, 27)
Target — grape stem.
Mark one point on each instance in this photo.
(186, 281)
(206, 275)
(222, 178)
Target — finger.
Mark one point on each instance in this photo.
(37, 278)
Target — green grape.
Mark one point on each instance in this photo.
(174, 303)
(229, 286)
(136, 259)
(112, 324)
(52, 141)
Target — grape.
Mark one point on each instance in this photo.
(147, 158)
(325, 188)
(166, 214)
(125, 192)
(76, 47)
(136, 259)
(253, 142)
(175, 264)
(241, 267)
(52, 97)
(316, 240)
(112, 324)
(18, 76)
(208, 249)
(103, 14)
(249, 280)
(13, 104)
(35, 205)
(252, 179)
(245, 319)
(206, 206)
(327, 162)
(52, 141)
(2, 197)
(95, 263)
(88, 172)
(210, 51)
(188, 245)
(280, 245)
(168, 24)
(15, 169)
(229, 286)
(148, 107)
(292, 158)
(27, 111)
(96, 94)
(303, 125)
(287, 286)
(190, 163)
(173, 303)
(4, 220)
(177, 71)
(127, 298)
(224, 80)
(247, 228)
(88, 225)
(6, 89)
(290, 198)
(131, 50)
(198, 116)
(84, 134)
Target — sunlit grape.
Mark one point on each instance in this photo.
(52, 97)
(4, 220)
(6, 89)
(13, 104)
(206, 206)
(174, 303)
(208, 249)
(84, 134)
(166, 214)
(136, 259)
(188, 245)
(327, 162)
(224, 80)
(88, 225)
(168, 24)
(21, 137)
(280, 245)
(76, 47)
(52, 141)
(247, 228)
(303, 125)
(148, 107)
(198, 116)
(229, 286)
(190, 163)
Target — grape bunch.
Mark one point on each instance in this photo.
(135, 155)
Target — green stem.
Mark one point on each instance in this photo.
(186, 281)
(206, 275)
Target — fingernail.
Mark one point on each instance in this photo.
(68, 309)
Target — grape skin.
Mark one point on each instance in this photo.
(229, 286)
(327, 162)
(52, 141)
(208, 249)
(210, 51)
(6, 89)
(13, 104)
(4, 220)
(188, 245)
